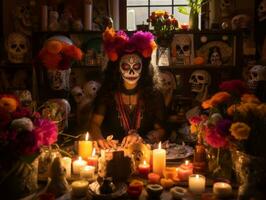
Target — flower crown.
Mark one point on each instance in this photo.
(118, 43)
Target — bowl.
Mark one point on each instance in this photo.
(154, 190)
(178, 192)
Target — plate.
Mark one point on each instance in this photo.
(176, 152)
(94, 191)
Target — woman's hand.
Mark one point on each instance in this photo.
(104, 144)
(131, 138)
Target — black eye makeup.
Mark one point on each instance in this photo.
(125, 66)
(137, 66)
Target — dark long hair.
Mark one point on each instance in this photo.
(148, 83)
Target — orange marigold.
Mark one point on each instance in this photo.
(220, 97)
(9, 103)
(240, 130)
(250, 98)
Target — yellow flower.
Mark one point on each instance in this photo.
(160, 13)
(247, 108)
(193, 128)
(9, 103)
(240, 130)
(250, 98)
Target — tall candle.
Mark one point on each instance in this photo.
(87, 172)
(196, 183)
(85, 147)
(185, 170)
(131, 20)
(93, 159)
(78, 165)
(222, 189)
(159, 160)
(88, 15)
(66, 162)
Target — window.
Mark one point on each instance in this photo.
(138, 11)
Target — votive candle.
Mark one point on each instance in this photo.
(144, 168)
(196, 183)
(66, 162)
(78, 165)
(87, 172)
(93, 159)
(222, 189)
(85, 147)
(80, 188)
(185, 170)
(153, 178)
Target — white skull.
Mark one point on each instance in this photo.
(262, 10)
(130, 67)
(17, 47)
(90, 89)
(182, 46)
(240, 22)
(59, 79)
(199, 80)
(24, 97)
(256, 74)
(78, 94)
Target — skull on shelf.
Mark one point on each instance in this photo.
(226, 7)
(240, 22)
(17, 47)
(24, 97)
(262, 10)
(23, 19)
(77, 94)
(181, 49)
(256, 73)
(200, 80)
(90, 89)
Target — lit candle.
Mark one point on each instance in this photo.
(185, 170)
(93, 159)
(144, 168)
(78, 164)
(184, 26)
(170, 172)
(154, 178)
(66, 162)
(196, 183)
(87, 172)
(85, 147)
(79, 188)
(222, 189)
(158, 160)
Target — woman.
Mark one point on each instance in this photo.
(128, 105)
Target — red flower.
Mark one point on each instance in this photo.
(237, 87)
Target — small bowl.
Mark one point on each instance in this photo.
(154, 190)
(178, 192)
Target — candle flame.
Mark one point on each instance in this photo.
(159, 145)
(93, 152)
(80, 158)
(186, 162)
(87, 136)
(144, 162)
(197, 176)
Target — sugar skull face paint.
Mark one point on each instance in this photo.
(130, 67)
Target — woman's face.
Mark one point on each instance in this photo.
(130, 67)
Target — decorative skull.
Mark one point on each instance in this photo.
(256, 74)
(168, 82)
(23, 19)
(78, 94)
(181, 48)
(90, 89)
(59, 79)
(16, 47)
(130, 67)
(200, 81)
(24, 97)
(262, 10)
(226, 7)
(240, 22)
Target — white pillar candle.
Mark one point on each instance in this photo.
(88, 15)
(66, 162)
(44, 17)
(159, 160)
(222, 189)
(87, 172)
(78, 165)
(196, 183)
(79, 188)
(131, 20)
(85, 147)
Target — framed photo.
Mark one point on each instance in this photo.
(217, 49)
(182, 49)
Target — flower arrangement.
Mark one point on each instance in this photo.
(236, 119)
(164, 26)
(22, 132)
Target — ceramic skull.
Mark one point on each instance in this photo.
(181, 46)
(90, 89)
(240, 22)
(262, 10)
(23, 19)
(256, 74)
(199, 80)
(16, 47)
(78, 94)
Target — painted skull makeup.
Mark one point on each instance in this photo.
(130, 67)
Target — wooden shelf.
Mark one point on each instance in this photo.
(197, 67)
(15, 65)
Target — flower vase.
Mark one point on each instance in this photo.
(21, 180)
(251, 175)
(200, 157)
(193, 20)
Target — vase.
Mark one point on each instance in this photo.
(251, 175)
(193, 20)
(21, 180)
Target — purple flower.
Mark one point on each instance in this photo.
(46, 131)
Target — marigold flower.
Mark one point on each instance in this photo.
(9, 103)
(206, 104)
(250, 98)
(240, 130)
(261, 109)
(232, 109)
(247, 108)
(220, 97)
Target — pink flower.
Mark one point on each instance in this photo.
(46, 131)
(214, 139)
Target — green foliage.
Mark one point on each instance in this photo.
(194, 5)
